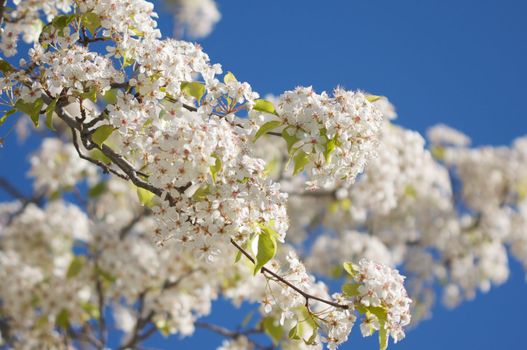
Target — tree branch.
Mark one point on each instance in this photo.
(2, 8)
(306, 295)
(232, 334)
(4, 184)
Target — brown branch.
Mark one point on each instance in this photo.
(232, 334)
(2, 8)
(128, 228)
(100, 301)
(106, 169)
(131, 173)
(306, 295)
(12, 190)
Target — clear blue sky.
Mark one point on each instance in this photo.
(460, 62)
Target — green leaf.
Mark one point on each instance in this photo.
(6, 114)
(310, 320)
(266, 248)
(91, 21)
(266, 127)
(293, 333)
(62, 319)
(32, 109)
(97, 190)
(49, 114)
(90, 95)
(91, 310)
(110, 96)
(382, 316)
(410, 191)
(127, 61)
(351, 290)
(201, 193)
(75, 266)
(60, 22)
(214, 169)
(438, 152)
(373, 98)
(106, 276)
(146, 198)
(247, 319)
(350, 268)
(312, 339)
(238, 256)
(273, 329)
(289, 139)
(101, 134)
(194, 89)
(264, 106)
(163, 327)
(98, 155)
(330, 147)
(5, 66)
(383, 336)
(229, 77)
(301, 160)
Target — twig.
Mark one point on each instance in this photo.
(232, 334)
(128, 228)
(2, 8)
(12, 190)
(306, 295)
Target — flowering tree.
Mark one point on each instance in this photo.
(162, 184)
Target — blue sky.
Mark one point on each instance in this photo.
(460, 62)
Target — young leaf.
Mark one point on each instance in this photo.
(97, 190)
(201, 193)
(293, 333)
(289, 139)
(91, 310)
(350, 290)
(273, 329)
(383, 337)
(146, 198)
(266, 249)
(229, 77)
(381, 315)
(194, 89)
(238, 256)
(110, 96)
(301, 160)
(32, 109)
(49, 114)
(62, 319)
(264, 106)
(5, 66)
(373, 98)
(266, 127)
(98, 155)
(163, 327)
(90, 95)
(330, 147)
(106, 276)
(92, 21)
(75, 266)
(102, 133)
(7, 114)
(350, 268)
(214, 169)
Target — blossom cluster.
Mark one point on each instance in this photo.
(330, 137)
(381, 291)
(194, 18)
(56, 167)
